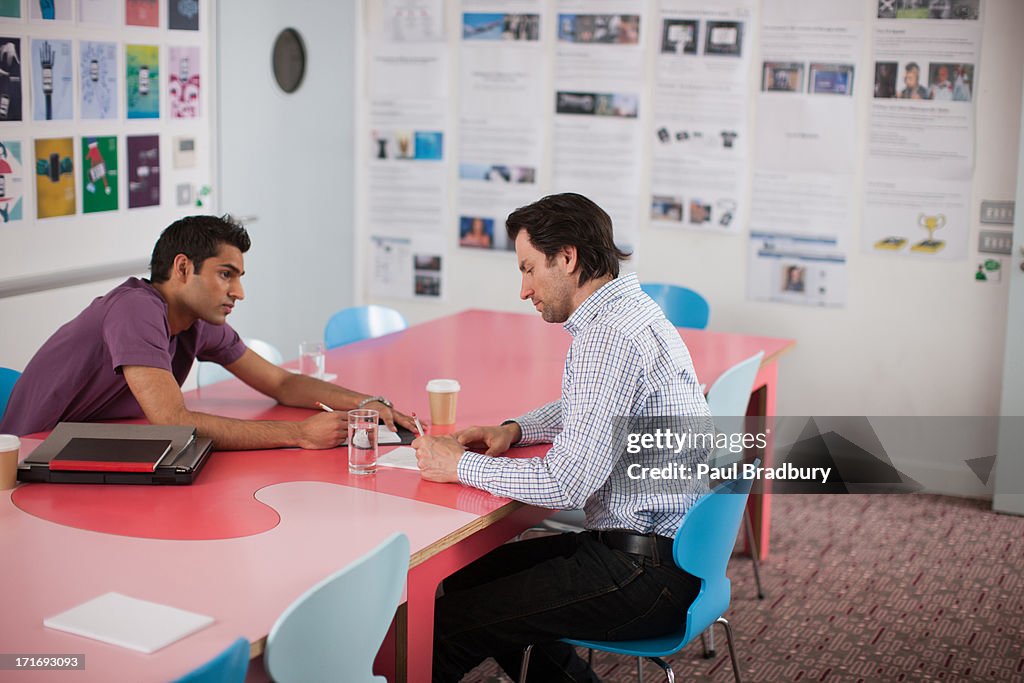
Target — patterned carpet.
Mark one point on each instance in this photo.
(867, 588)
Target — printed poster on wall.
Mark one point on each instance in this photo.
(99, 174)
(12, 181)
(97, 77)
(142, 13)
(55, 178)
(10, 8)
(106, 12)
(142, 81)
(10, 79)
(183, 87)
(183, 15)
(143, 171)
(50, 10)
(52, 80)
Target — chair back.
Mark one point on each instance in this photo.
(334, 630)
(703, 545)
(230, 666)
(682, 306)
(730, 393)
(210, 373)
(7, 379)
(361, 322)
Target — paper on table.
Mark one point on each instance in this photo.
(386, 436)
(402, 457)
(129, 622)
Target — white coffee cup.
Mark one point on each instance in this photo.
(10, 445)
(444, 394)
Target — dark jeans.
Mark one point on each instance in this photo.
(543, 589)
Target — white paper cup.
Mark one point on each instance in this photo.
(444, 394)
(10, 446)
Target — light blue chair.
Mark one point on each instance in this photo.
(7, 379)
(361, 322)
(702, 547)
(682, 306)
(210, 373)
(230, 666)
(333, 631)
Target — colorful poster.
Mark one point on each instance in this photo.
(142, 13)
(98, 78)
(183, 82)
(99, 174)
(143, 171)
(142, 81)
(50, 10)
(99, 12)
(12, 181)
(55, 178)
(10, 8)
(10, 79)
(183, 15)
(52, 81)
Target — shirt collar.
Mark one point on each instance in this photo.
(627, 285)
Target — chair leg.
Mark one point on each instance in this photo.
(707, 639)
(524, 667)
(639, 670)
(670, 675)
(732, 650)
(752, 545)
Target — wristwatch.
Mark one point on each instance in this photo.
(375, 399)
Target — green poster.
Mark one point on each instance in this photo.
(10, 8)
(99, 174)
(142, 67)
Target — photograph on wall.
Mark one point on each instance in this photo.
(10, 79)
(183, 82)
(679, 36)
(55, 177)
(920, 79)
(782, 77)
(621, 29)
(624, 105)
(488, 26)
(10, 8)
(142, 13)
(143, 171)
(830, 79)
(724, 38)
(106, 12)
(183, 15)
(142, 81)
(50, 10)
(12, 181)
(97, 78)
(476, 231)
(99, 174)
(52, 80)
(500, 173)
(928, 9)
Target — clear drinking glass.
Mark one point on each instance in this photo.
(362, 441)
(312, 359)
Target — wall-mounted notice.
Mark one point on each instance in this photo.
(700, 115)
(408, 267)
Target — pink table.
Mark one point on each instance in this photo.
(258, 528)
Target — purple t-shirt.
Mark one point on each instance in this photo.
(76, 375)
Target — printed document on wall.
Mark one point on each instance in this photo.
(700, 108)
(407, 267)
(796, 270)
(927, 218)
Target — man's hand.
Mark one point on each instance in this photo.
(390, 416)
(438, 458)
(497, 440)
(323, 430)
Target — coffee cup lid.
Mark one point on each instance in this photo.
(8, 442)
(443, 386)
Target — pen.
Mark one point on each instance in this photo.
(324, 407)
(419, 427)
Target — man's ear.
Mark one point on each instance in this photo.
(182, 268)
(568, 256)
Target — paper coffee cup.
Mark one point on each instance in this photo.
(9, 448)
(444, 394)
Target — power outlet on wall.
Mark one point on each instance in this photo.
(997, 213)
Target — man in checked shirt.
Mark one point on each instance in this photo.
(626, 365)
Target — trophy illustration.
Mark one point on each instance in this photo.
(931, 224)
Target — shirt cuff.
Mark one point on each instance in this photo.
(533, 431)
(472, 468)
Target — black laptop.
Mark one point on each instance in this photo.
(185, 458)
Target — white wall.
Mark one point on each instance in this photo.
(915, 338)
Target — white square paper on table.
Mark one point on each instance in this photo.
(402, 457)
(129, 622)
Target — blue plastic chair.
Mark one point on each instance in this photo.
(361, 322)
(230, 666)
(702, 547)
(682, 306)
(7, 379)
(210, 373)
(333, 631)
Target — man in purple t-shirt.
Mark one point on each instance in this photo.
(128, 353)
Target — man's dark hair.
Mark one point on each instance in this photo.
(570, 220)
(198, 238)
(912, 66)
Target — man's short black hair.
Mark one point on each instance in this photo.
(912, 66)
(570, 219)
(198, 238)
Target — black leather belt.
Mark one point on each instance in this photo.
(647, 545)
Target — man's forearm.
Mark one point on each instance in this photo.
(229, 434)
(301, 391)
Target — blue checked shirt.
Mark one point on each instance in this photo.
(626, 360)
